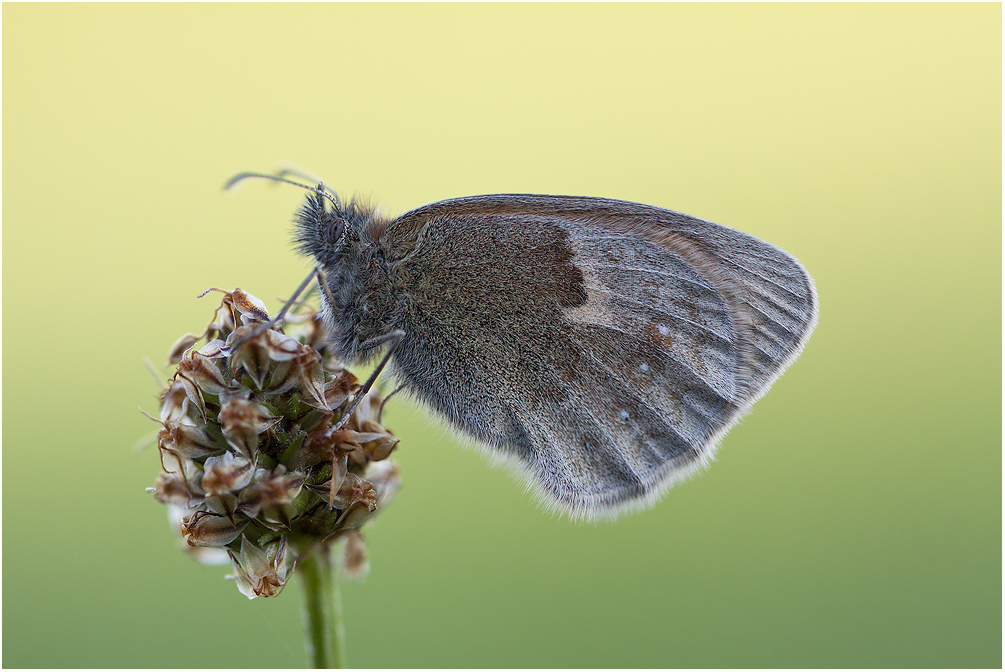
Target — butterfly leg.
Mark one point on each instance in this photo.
(395, 338)
(282, 313)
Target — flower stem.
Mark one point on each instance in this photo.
(323, 626)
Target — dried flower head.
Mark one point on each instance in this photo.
(257, 465)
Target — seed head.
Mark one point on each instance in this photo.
(256, 467)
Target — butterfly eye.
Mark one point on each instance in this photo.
(334, 229)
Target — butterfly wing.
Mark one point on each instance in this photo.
(605, 345)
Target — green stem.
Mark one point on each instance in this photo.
(319, 581)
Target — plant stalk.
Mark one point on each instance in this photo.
(323, 625)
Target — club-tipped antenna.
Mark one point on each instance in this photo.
(306, 177)
(319, 190)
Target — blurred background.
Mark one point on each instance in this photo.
(853, 519)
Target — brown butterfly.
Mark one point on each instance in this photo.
(603, 346)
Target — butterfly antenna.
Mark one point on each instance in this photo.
(299, 174)
(320, 190)
(306, 177)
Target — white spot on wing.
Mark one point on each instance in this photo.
(664, 329)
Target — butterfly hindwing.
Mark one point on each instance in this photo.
(614, 355)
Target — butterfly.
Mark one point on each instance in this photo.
(603, 347)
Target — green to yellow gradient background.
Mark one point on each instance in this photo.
(853, 519)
